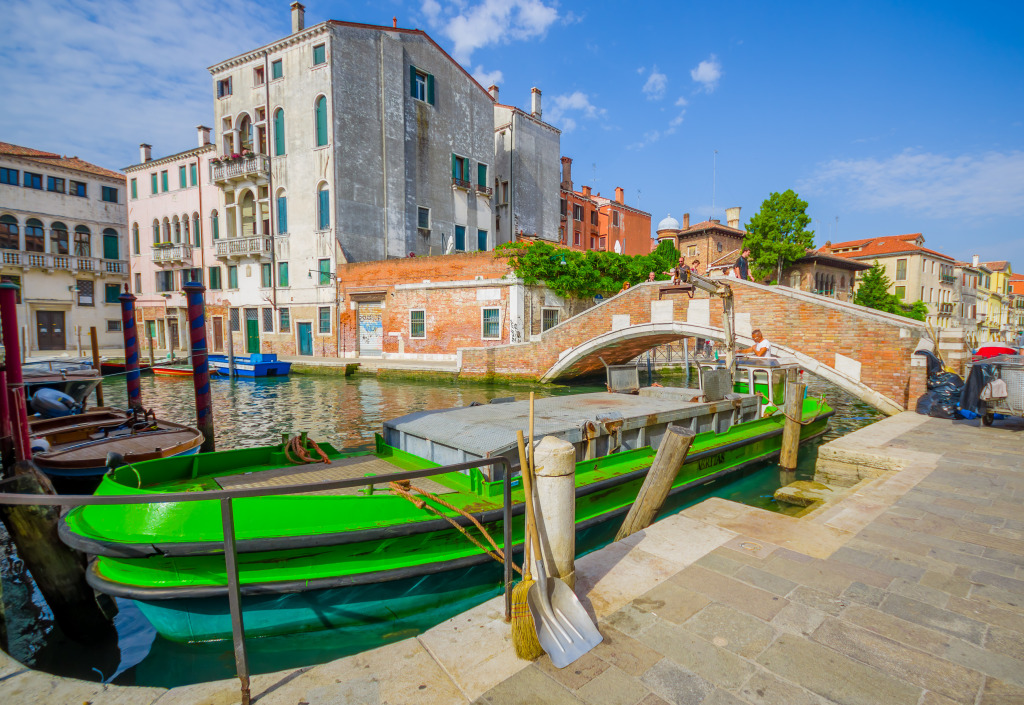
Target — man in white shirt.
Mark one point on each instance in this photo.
(762, 347)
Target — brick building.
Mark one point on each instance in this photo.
(590, 221)
(717, 246)
(823, 273)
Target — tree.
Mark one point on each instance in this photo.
(776, 235)
(873, 292)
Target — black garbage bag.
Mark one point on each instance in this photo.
(936, 405)
(934, 364)
(943, 379)
(970, 394)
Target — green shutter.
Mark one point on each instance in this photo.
(153, 179)
(279, 133)
(321, 122)
(216, 227)
(454, 160)
(430, 88)
(135, 188)
(412, 80)
(282, 274)
(481, 174)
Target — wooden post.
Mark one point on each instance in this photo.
(231, 349)
(729, 327)
(58, 571)
(675, 444)
(794, 414)
(78, 337)
(152, 362)
(96, 363)
(686, 361)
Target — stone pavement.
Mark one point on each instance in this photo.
(907, 589)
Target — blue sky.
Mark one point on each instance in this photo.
(887, 118)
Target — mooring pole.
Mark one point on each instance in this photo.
(794, 415)
(131, 350)
(96, 364)
(200, 363)
(668, 461)
(235, 597)
(14, 391)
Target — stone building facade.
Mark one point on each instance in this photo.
(716, 246)
(590, 221)
(824, 274)
(62, 240)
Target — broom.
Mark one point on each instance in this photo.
(524, 632)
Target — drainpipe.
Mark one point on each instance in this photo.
(512, 176)
(384, 154)
(271, 201)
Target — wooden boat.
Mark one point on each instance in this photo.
(172, 370)
(77, 427)
(353, 558)
(108, 367)
(254, 365)
(75, 379)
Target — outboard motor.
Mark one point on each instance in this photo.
(51, 404)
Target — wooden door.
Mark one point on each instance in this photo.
(50, 330)
(218, 334)
(305, 339)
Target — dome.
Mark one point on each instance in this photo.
(668, 223)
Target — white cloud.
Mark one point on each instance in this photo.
(935, 185)
(681, 102)
(707, 73)
(488, 78)
(490, 22)
(655, 85)
(577, 103)
(640, 71)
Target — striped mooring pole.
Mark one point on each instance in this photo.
(131, 349)
(14, 390)
(200, 363)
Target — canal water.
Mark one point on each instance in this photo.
(347, 412)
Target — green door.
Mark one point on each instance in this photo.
(252, 336)
(305, 339)
(110, 249)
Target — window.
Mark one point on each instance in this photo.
(284, 323)
(77, 188)
(135, 239)
(417, 324)
(319, 54)
(266, 274)
(320, 110)
(481, 240)
(113, 326)
(504, 195)
(8, 176)
(182, 177)
(259, 77)
(268, 320)
(325, 319)
(109, 194)
(548, 318)
(197, 237)
(282, 214)
(282, 274)
(615, 218)
(593, 242)
(593, 217)
(491, 318)
(215, 225)
(193, 173)
(324, 207)
(278, 132)
(54, 184)
(577, 212)
(164, 281)
(224, 87)
(33, 180)
(460, 238)
(153, 187)
(135, 188)
(163, 181)
(481, 175)
(421, 85)
(9, 239)
(138, 285)
(691, 251)
(460, 170)
(233, 276)
(901, 292)
(234, 322)
(112, 291)
(84, 287)
(576, 238)
(34, 235)
(276, 69)
(59, 239)
(423, 218)
(192, 276)
(603, 244)
(564, 207)
(324, 271)
(901, 270)
(214, 276)
(719, 246)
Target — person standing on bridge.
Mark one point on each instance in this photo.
(762, 347)
(742, 266)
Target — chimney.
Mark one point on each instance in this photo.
(535, 103)
(586, 191)
(974, 260)
(298, 17)
(394, 21)
(567, 173)
(493, 90)
(826, 249)
(204, 135)
(146, 155)
(619, 195)
(686, 221)
(732, 217)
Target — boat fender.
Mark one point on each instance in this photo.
(51, 403)
(39, 445)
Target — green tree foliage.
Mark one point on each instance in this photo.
(873, 292)
(584, 274)
(776, 235)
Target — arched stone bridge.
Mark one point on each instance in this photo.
(865, 352)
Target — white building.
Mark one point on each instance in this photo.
(62, 240)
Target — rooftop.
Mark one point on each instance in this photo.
(52, 159)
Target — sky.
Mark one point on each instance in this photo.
(886, 117)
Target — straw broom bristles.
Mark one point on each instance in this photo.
(524, 632)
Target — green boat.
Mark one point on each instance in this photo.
(358, 557)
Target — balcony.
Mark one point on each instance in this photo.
(172, 254)
(945, 309)
(461, 183)
(259, 246)
(483, 190)
(254, 168)
(946, 278)
(62, 263)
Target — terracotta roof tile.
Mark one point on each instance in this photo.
(708, 225)
(865, 241)
(997, 266)
(50, 158)
(888, 246)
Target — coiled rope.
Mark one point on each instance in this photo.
(404, 488)
(301, 456)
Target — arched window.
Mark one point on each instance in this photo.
(186, 233)
(214, 225)
(323, 200)
(197, 236)
(9, 239)
(279, 132)
(83, 241)
(245, 133)
(135, 238)
(321, 121)
(111, 246)
(167, 231)
(156, 231)
(176, 224)
(34, 235)
(58, 238)
(247, 210)
(282, 212)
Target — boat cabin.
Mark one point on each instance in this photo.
(764, 377)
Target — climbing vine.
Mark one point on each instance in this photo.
(584, 274)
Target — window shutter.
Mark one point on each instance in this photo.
(454, 159)
(412, 80)
(430, 88)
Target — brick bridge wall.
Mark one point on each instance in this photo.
(816, 326)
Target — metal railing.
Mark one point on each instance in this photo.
(226, 498)
(460, 183)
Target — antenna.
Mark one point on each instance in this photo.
(594, 167)
(638, 198)
(714, 179)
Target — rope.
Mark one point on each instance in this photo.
(821, 403)
(301, 456)
(405, 489)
